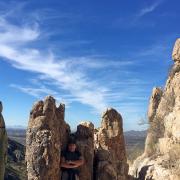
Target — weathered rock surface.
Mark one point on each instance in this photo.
(161, 159)
(154, 102)
(46, 132)
(176, 51)
(3, 144)
(154, 130)
(85, 144)
(111, 161)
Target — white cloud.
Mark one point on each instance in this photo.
(37, 61)
(10, 33)
(67, 74)
(149, 9)
(36, 92)
(134, 18)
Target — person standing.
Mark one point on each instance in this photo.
(71, 159)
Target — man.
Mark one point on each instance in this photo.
(71, 159)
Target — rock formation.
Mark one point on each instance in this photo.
(111, 161)
(176, 51)
(46, 131)
(154, 131)
(161, 158)
(85, 143)
(47, 134)
(3, 144)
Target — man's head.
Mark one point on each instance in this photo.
(71, 145)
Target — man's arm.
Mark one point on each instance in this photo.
(79, 162)
(65, 164)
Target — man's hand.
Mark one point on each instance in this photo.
(73, 166)
(68, 164)
(71, 162)
(77, 163)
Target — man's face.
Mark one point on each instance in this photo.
(72, 147)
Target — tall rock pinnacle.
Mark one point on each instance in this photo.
(111, 161)
(46, 133)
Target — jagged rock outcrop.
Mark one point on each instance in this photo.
(161, 159)
(3, 144)
(176, 51)
(111, 161)
(85, 144)
(155, 129)
(46, 133)
(154, 102)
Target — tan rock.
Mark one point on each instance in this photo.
(85, 143)
(163, 139)
(176, 50)
(103, 149)
(111, 161)
(154, 102)
(46, 131)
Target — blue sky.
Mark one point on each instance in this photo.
(89, 55)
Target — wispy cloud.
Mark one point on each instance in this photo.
(135, 18)
(148, 9)
(61, 71)
(36, 92)
(69, 75)
(10, 33)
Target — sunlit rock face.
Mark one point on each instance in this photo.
(161, 157)
(3, 144)
(46, 134)
(176, 51)
(111, 161)
(85, 143)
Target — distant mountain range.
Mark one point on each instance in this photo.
(136, 133)
(21, 131)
